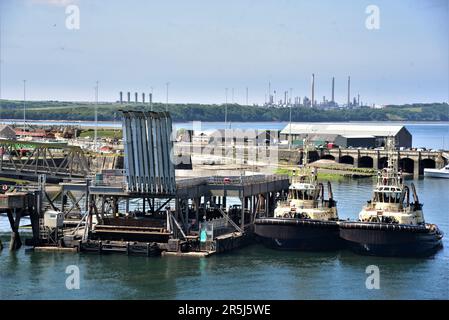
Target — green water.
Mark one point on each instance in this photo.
(253, 272)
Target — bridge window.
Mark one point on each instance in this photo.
(426, 163)
(328, 157)
(347, 160)
(383, 162)
(366, 162)
(407, 165)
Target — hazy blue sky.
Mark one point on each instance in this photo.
(202, 47)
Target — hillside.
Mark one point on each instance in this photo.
(56, 110)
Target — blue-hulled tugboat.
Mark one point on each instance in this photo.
(389, 224)
(306, 220)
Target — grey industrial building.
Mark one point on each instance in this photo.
(348, 135)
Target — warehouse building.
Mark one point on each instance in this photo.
(348, 135)
(6, 132)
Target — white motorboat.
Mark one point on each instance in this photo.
(437, 173)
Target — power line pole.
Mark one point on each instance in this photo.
(151, 99)
(166, 100)
(226, 108)
(24, 105)
(290, 129)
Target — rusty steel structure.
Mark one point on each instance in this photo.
(55, 160)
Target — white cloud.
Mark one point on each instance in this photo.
(58, 3)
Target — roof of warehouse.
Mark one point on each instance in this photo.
(342, 129)
(355, 136)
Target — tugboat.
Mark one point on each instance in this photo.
(305, 221)
(389, 224)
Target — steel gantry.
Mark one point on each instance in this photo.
(29, 158)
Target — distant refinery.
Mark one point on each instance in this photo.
(286, 98)
(312, 102)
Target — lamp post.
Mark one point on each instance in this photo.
(166, 98)
(96, 117)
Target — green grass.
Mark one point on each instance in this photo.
(103, 133)
(355, 170)
(394, 117)
(413, 109)
(283, 171)
(339, 174)
(12, 180)
(331, 177)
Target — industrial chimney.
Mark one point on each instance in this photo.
(349, 91)
(313, 90)
(129, 97)
(136, 98)
(121, 97)
(333, 89)
(143, 97)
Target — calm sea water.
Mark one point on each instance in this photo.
(253, 272)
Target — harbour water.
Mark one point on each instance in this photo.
(253, 272)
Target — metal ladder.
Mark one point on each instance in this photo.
(43, 233)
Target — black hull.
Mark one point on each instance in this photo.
(378, 239)
(298, 234)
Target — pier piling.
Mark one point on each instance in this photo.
(14, 221)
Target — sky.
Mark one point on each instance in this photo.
(201, 47)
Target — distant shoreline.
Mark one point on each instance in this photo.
(433, 122)
(271, 125)
(65, 111)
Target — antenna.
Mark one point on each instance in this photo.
(96, 115)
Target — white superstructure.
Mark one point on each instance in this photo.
(391, 198)
(306, 196)
(437, 173)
